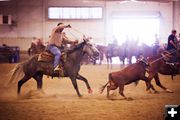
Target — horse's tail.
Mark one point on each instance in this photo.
(104, 86)
(16, 72)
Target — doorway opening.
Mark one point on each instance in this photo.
(141, 28)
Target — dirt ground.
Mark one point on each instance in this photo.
(58, 99)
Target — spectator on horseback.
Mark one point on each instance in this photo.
(37, 41)
(56, 40)
(156, 44)
(172, 45)
(179, 37)
(178, 42)
(115, 42)
(172, 40)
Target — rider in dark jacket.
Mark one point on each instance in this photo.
(172, 46)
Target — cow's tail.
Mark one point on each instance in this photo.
(104, 86)
(17, 71)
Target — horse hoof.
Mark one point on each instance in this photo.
(108, 98)
(169, 91)
(148, 91)
(80, 96)
(129, 99)
(90, 91)
(156, 92)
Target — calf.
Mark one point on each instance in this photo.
(131, 73)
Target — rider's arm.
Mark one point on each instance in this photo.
(66, 40)
(61, 27)
(172, 43)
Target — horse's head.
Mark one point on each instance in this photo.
(90, 48)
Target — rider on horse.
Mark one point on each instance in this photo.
(55, 41)
(172, 46)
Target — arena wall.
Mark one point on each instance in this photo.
(30, 19)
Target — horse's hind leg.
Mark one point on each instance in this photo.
(107, 62)
(157, 80)
(80, 77)
(38, 78)
(22, 81)
(111, 62)
(121, 89)
(148, 84)
(110, 87)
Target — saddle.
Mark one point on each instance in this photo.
(167, 58)
(49, 57)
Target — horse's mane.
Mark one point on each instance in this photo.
(75, 48)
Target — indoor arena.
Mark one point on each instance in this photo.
(89, 59)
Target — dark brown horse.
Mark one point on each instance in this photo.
(136, 71)
(36, 69)
(158, 64)
(147, 51)
(36, 49)
(131, 49)
(102, 50)
(115, 51)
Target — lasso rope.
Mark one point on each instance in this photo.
(72, 34)
(79, 31)
(163, 56)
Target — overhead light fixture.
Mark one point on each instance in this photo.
(5, 0)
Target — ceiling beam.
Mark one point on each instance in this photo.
(134, 0)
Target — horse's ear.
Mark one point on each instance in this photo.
(85, 40)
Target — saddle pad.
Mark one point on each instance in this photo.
(48, 57)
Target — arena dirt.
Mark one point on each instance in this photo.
(58, 99)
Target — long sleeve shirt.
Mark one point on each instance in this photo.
(57, 37)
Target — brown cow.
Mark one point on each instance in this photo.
(132, 73)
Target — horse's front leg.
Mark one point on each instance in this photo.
(157, 80)
(38, 78)
(111, 62)
(80, 77)
(74, 82)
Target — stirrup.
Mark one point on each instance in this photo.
(58, 68)
(169, 63)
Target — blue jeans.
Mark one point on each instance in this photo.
(56, 52)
